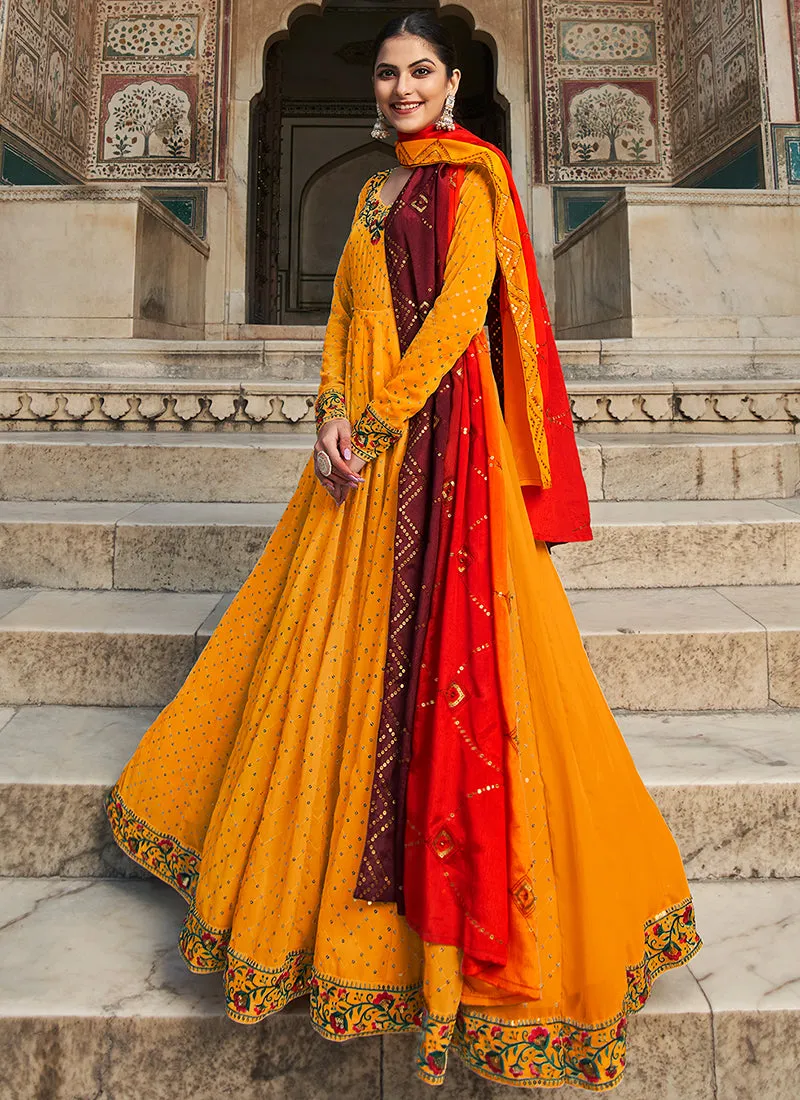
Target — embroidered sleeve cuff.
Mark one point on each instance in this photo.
(372, 435)
(330, 406)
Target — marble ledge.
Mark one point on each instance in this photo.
(774, 607)
(63, 745)
(76, 384)
(733, 747)
(88, 744)
(743, 609)
(105, 193)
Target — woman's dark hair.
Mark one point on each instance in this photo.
(420, 24)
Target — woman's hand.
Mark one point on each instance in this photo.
(333, 439)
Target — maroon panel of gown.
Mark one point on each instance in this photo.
(416, 237)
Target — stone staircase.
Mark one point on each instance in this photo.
(139, 481)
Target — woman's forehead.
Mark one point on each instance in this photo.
(404, 50)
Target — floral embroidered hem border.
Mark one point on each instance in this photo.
(372, 435)
(329, 405)
(534, 1053)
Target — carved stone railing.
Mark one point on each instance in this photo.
(168, 405)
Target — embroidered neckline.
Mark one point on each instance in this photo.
(374, 212)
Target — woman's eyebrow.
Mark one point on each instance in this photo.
(388, 65)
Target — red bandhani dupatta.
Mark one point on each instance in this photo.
(438, 842)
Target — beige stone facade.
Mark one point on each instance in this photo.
(252, 118)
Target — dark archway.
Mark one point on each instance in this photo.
(311, 151)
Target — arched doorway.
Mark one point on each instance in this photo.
(311, 151)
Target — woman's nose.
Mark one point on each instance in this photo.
(404, 84)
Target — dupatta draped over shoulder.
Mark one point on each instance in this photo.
(525, 357)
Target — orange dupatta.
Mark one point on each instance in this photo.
(536, 405)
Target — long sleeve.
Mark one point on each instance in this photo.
(330, 402)
(458, 315)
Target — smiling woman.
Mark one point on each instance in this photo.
(414, 83)
(391, 781)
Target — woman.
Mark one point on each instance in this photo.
(391, 781)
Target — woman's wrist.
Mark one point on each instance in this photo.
(372, 435)
(330, 405)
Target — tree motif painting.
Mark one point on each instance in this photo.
(611, 123)
(149, 119)
(706, 91)
(23, 81)
(736, 78)
(77, 125)
(156, 107)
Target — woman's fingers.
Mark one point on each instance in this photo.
(329, 441)
(339, 493)
(341, 471)
(344, 440)
(333, 440)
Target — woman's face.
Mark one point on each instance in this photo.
(411, 83)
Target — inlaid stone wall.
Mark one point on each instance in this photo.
(155, 100)
(46, 69)
(715, 87)
(604, 68)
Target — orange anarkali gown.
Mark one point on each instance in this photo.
(250, 793)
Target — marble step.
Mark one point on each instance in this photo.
(599, 404)
(684, 543)
(258, 352)
(95, 1002)
(728, 785)
(252, 468)
(101, 545)
(735, 648)
(196, 547)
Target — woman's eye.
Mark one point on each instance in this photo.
(422, 72)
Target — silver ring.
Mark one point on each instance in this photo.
(324, 464)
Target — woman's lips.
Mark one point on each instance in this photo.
(405, 108)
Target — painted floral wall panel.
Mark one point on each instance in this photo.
(154, 90)
(713, 73)
(604, 68)
(44, 88)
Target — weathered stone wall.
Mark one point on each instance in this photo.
(714, 67)
(45, 76)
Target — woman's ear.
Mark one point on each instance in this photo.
(454, 81)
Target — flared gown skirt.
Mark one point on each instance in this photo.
(251, 791)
